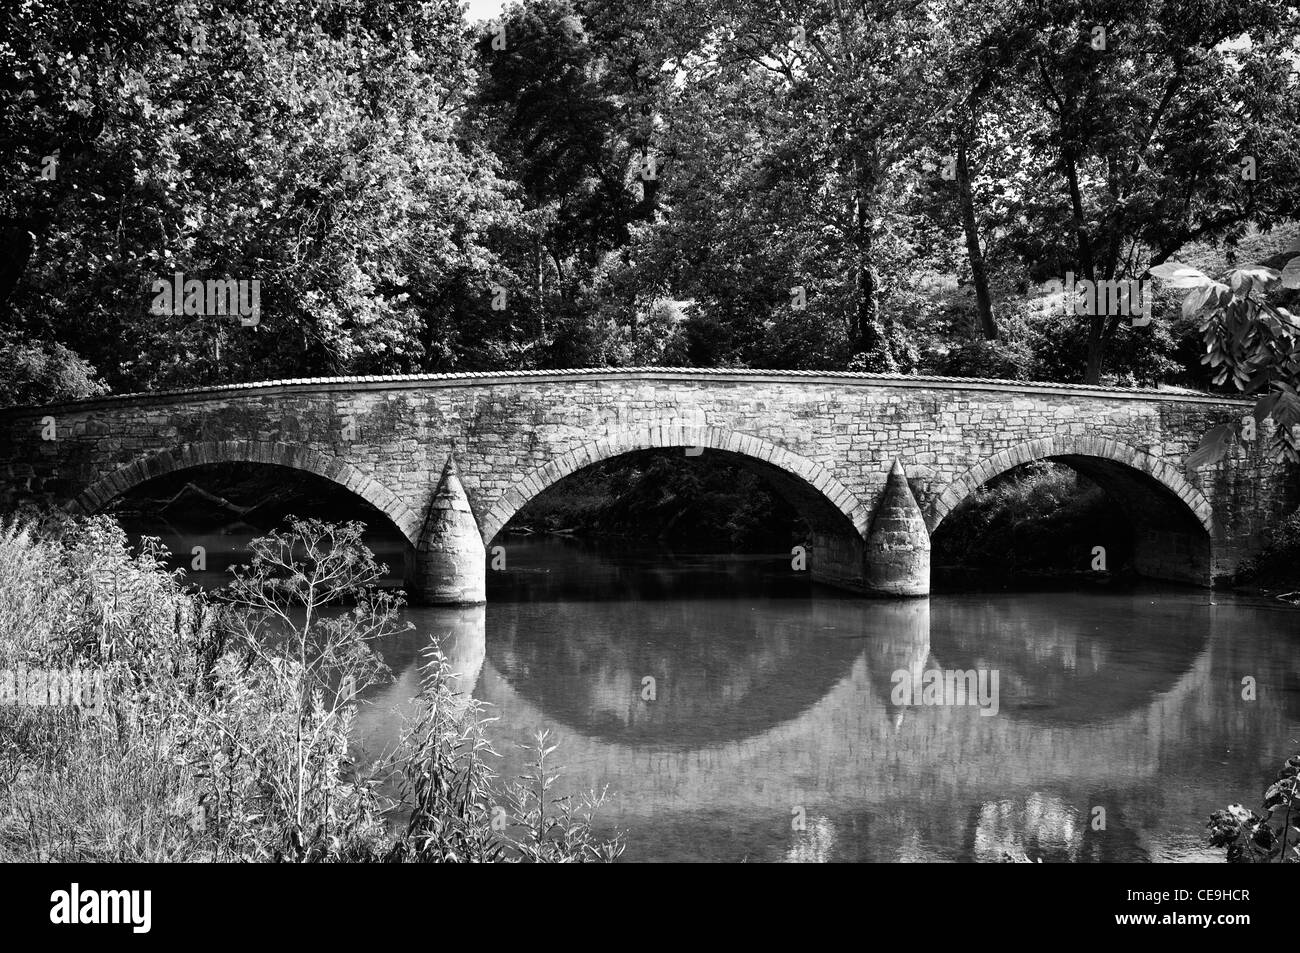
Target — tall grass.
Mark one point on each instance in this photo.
(224, 733)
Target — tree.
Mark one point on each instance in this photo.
(547, 104)
(1252, 340)
(863, 84)
(314, 151)
(1161, 124)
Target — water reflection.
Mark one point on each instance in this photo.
(459, 633)
(772, 734)
(1073, 657)
(664, 681)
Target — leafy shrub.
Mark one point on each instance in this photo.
(1274, 837)
(224, 729)
(44, 373)
(1284, 541)
(1277, 562)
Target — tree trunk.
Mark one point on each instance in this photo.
(1087, 269)
(17, 247)
(984, 304)
(1096, 349)
(870, 337)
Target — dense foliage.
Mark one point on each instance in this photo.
(1251, 339)
(885, 185)
(1041, 519)
(220, 727)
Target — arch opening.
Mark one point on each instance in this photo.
(668, 436)
(1065, 513)
(715, 500)
(707, 503)
(114, 484)
(206, 514)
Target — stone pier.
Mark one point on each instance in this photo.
(450, 560)
(898, 545)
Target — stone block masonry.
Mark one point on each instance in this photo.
(827, 441)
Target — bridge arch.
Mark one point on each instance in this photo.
(1097, 447)
(790, 470)
(1173, 521)
(189, 455)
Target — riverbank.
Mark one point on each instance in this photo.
(1275, 573)
(216, 727)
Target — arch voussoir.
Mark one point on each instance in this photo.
(124, 478)
(664, 436)
(1105, 448)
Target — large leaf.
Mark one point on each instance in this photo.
(1254, 277)
(1264, 407)
(1179, 275)
(1197, 298)
(1291, 274)
(1214, 446)
(1286, 411)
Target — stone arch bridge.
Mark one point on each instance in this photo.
(872, 462)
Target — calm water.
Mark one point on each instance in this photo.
(773, 704)
(773, 696)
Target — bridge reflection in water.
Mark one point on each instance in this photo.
(773, 734)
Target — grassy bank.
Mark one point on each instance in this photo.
(220, 730)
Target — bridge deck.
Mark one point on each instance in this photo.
(693, 374)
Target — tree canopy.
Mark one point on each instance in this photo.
(888, 186)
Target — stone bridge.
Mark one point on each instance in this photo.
(873, 463)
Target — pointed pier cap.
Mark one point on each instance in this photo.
(898, 543)
(450, 494)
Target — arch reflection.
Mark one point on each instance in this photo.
(1071, 657)
(790, 706)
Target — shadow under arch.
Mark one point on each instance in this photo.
(207, 452)
(813, 489)
(1173, 521)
